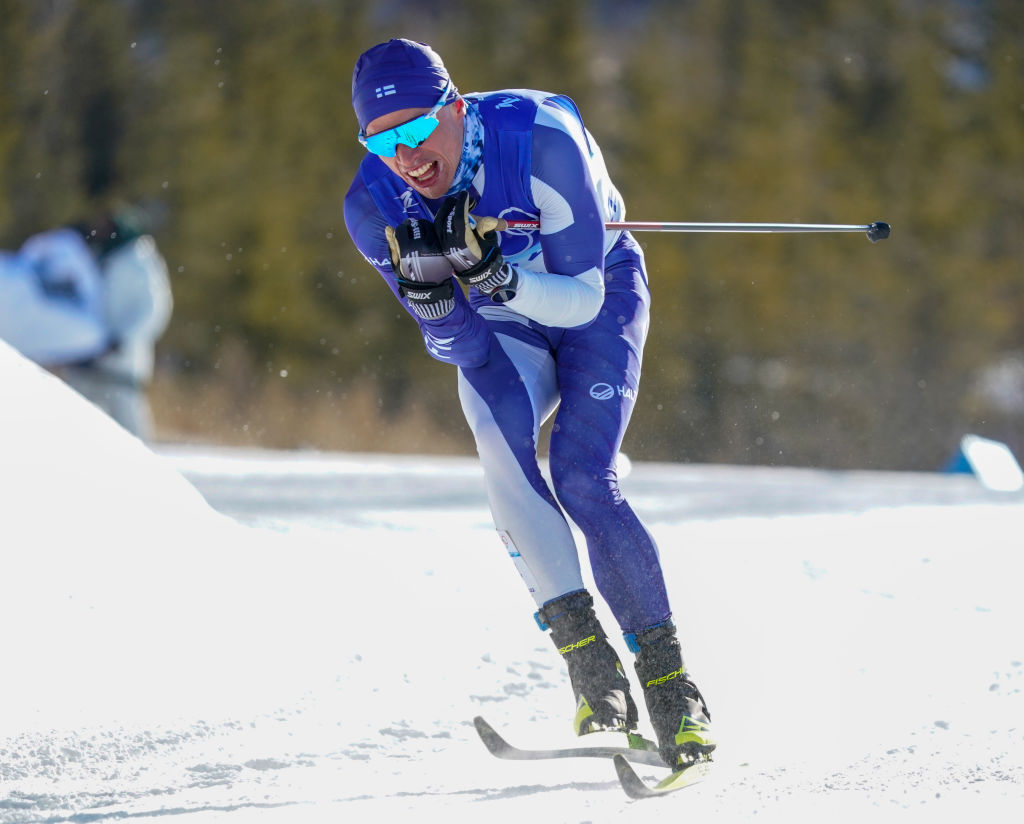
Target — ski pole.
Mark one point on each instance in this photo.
(875, 231)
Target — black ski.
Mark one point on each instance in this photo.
(643, 752)
(636, 787)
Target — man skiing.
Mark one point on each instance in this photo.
(554, 317)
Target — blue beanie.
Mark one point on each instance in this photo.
(398, 74)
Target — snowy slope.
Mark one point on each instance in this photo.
(862, 654)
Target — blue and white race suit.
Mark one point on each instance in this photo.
(572, 337)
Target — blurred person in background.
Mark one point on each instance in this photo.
(89, 302)
(555, 317)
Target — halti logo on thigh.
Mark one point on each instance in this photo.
(605, 391)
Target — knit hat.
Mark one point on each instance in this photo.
(398, 74)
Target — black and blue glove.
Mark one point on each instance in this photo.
(471, 247)
(423, 272)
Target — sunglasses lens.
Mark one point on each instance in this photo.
(413, 133)
(410, 134)
(382, 143)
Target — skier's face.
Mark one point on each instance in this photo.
(430, 167)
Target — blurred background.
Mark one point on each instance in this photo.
(229, 124)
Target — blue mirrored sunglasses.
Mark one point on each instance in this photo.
(410, 134)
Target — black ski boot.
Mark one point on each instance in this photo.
(599, 683)
(678, 711)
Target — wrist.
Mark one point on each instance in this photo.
(490, 277)
(507, 290)
(486, 275)
(430, 301)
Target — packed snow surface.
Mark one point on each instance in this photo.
(211, 635)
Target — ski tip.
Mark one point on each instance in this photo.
(635, 787)
(632, 784)
(494, 742)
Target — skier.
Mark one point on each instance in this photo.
(89, 302)
(554, 317)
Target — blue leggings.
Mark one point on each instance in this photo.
(592, 375)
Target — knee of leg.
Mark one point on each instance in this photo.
(486, 432)
(495, 445)
(580, 489)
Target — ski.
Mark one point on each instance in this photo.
(640, 750)
(636, 787)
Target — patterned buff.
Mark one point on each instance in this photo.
(472, 151)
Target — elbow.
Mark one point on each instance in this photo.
(590, 305)
(589, 298)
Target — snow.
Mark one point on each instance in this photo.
(314, 648)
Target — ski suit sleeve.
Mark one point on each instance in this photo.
(51, 300)
(50, 331)
(461, 337)
(570, 186)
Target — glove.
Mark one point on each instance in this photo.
(471, 247)
(424, 273)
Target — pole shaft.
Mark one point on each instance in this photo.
(705, 227)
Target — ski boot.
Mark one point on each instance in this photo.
(599, 683)
(678, 711)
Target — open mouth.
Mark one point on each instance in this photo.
(423, 176)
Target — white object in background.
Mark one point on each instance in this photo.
(137, 307)
(993, 463)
